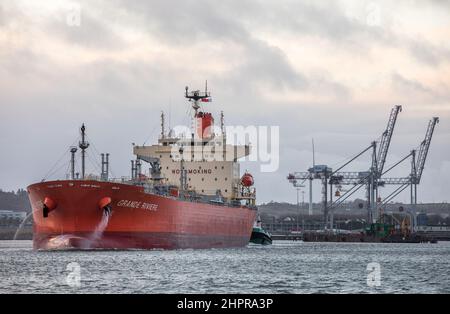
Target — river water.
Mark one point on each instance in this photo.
(285, 267)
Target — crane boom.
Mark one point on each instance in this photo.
(424, 147)
(386, 139)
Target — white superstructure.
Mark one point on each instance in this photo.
(210, 165)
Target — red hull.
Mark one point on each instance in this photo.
(138, 220)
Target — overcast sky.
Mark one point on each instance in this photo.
(328, 70)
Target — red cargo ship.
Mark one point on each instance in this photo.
(186, 200)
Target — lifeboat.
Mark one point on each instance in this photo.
(247, 180)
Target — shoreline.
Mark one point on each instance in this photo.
(7, 233)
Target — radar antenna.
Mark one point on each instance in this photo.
(196, 96)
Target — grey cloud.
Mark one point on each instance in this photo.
(409, 85)
(180, 24)
(442, 3)
(417, 93)
(8, 13)
(120, 100)
(203, 22)
(427, 53)
(185, 22)
(267, 64)
(2, 16)
(189, 21)
(93, 32)
(309, 18)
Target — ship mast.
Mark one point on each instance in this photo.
(83, 146)
(222, 128)
(163, 127)
(73, 150)
(202, 122)
(196, 96)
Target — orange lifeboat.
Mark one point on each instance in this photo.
(247, 180)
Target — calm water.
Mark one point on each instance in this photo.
(285, 267)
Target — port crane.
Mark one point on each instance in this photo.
(418, 160)
(372, 179)
(360, 179)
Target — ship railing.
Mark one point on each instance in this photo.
(122, 180)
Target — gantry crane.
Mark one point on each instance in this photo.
(359, 179)
(385, 141)
(372, 179)
(424, 148)
(417, 167)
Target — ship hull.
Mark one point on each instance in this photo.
(134, 220)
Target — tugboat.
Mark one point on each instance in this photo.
(259, 235)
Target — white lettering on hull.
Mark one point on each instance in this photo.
(137, 204)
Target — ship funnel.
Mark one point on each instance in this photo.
(49, 206)
(205, 125)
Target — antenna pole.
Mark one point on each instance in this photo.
(163, 131)
(102, 176)
(133, 171)
(107, 168)
(138, 168)
(314, 153)
(83, 146)
(310, 209)
(182, 171)
(222, 124)
(73, 150)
